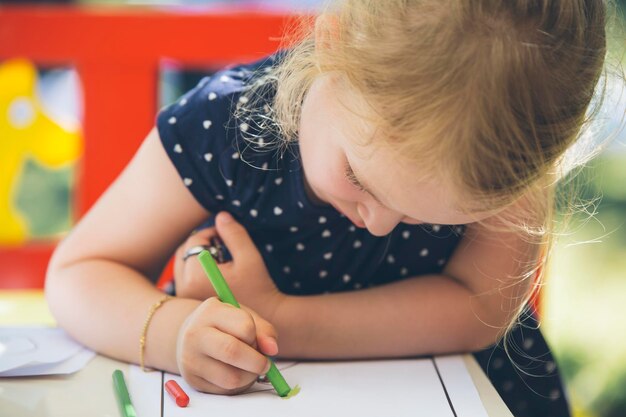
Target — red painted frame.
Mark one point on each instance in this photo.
(117, 52)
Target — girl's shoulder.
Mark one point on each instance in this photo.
(219, 133)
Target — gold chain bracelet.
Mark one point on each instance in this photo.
(144, 331)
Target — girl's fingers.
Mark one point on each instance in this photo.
(218, 378)
(231, 320)
(234, 354)
(235, 237)
(190, 278)
(266, 335)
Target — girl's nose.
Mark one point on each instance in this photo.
(379, 220)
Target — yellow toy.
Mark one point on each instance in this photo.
(26, 132)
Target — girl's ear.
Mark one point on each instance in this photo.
(326, 30)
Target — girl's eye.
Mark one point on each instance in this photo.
(352, 178)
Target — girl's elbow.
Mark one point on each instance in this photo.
(55, 283)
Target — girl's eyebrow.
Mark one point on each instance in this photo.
(358, 182)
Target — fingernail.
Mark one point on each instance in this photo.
(267, 367)
(226, 217)
(275, 345)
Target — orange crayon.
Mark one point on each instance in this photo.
(177, 393)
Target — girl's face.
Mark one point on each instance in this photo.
(369, 185)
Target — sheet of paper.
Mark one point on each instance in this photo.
(460, 387)
(362, 388)
(32, 347)
(145, 390)
(69, 366)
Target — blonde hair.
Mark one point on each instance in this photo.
(487, 93)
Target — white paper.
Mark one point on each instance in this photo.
(145, 390)
(68, 366)
(395, 388)
(32, 347)
(460, 387)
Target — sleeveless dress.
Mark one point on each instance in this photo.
(221, 140)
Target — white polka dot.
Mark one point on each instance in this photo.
(497, 363)
(183, 101)
(403, 271)
(207, 124)
(357, 286)
(528, 343)
(212, 96)
(260, 142)
(352, 228)
(323, 274)
(237, 203)
(550, 366)
(507, 385)
(171, 120)
(229, 183)
(293, 229)
(278, 211)
(391, 259)
(322, 219)
(254, 213)
(328, 255)
(178, 148)
(357, 244)
(244, 127)
(300, 204)
(555, 394)
(424, 252)
(286, 269)
(406, 234)
(243, 99)
(278, 181)
(458, 230)
(261, 189)
(300, 246)
(346, 278)
(224, 78)
(326, 233)
(208, 157)
(266, 108)
(441, 261)
(436, 228)
(219, 197)
(264, 166)
(187, 181)
(269, 248)
(235, 155)
(296, 284)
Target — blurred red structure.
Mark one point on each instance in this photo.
(117, 53)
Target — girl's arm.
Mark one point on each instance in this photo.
(99, 287)
(463, 309)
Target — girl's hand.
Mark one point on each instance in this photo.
(216, 349)
(246, 274)
(189, 278)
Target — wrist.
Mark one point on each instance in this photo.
(162, 334)
(272, 306)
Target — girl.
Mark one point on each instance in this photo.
(404, 149)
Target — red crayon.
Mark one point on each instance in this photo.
(177, 393)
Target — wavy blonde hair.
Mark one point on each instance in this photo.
(489, 94)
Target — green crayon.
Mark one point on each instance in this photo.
(225, 295)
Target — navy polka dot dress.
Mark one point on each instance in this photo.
(220, 137)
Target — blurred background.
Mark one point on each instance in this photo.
(583, 303)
